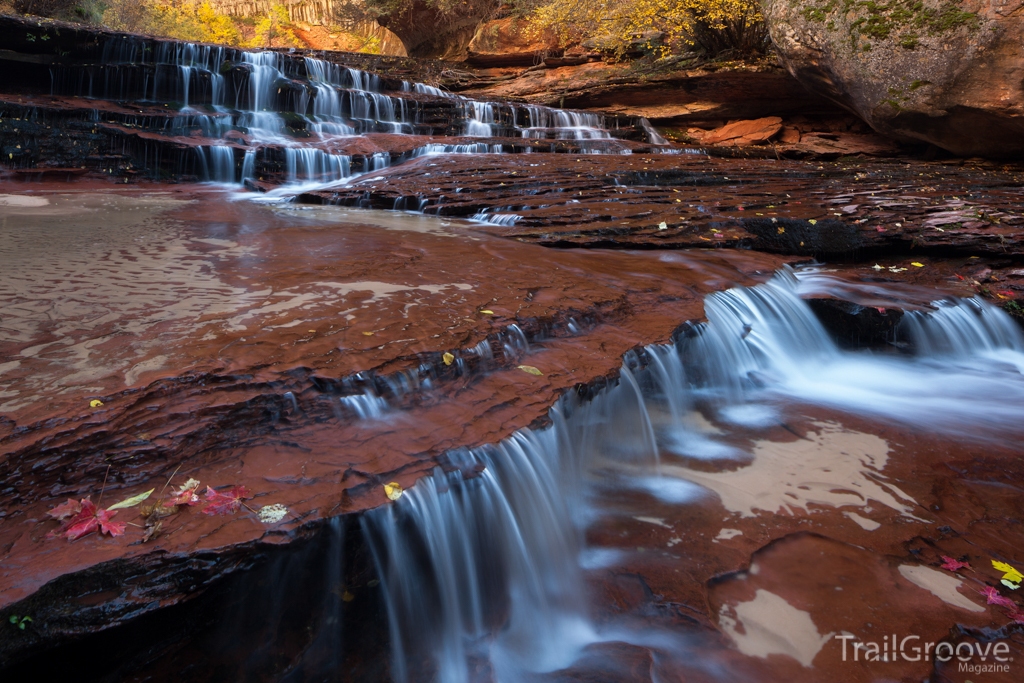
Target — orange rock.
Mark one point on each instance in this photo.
(743, 133)
(789, 136)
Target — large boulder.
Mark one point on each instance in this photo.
(934, 71)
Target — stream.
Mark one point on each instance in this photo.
(614, 464)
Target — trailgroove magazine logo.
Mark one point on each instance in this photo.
(971, 657)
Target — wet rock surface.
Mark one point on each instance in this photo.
(314, 351)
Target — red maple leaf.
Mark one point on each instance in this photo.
(186, 495)
(89, 519)
(64, 510)
(225, 503)
(950, 564)
(993, 597)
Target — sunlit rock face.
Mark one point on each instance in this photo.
(948, 74)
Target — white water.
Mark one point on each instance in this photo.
(279, 102)
(486, 560)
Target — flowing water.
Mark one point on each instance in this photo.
(492, 565)
(496, 538)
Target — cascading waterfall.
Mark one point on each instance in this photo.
(482, 560)
(306, 107)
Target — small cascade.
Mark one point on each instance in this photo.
(962, 327)
(506, 219)
(545, 122)
(481, 562)
(367, 406)
(653, 136)
(479, 119)
(307, 164)
(218, 163)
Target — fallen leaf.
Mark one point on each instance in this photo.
(157, 511)
(347, 597)
(663, 226)
(1009, 584)
(530, 370)
(186, 495)
(65, 510)
(487, 312)
(87, 520)
(131, 502)
(225, 503)
(1016, 615)
(95, 403)
(393, 490)
(958, 276)
(152, 531)
(877, 267)
(780, 230)
(813, 222)
(368, 334)
(1009, 572)
(993, 597)
(272, 514)
(950, 564)
(916, 264)
(448, 358)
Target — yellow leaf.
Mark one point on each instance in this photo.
(447, 358)
(529, 369)
(487, 312)
(347, 597)
(780, 230)
(132, 502)
(916, 264)
(1009, 572)
(813, 222)
(368, 334)
(95, 403)
(393, 490)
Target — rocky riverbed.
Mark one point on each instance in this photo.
(412, 297)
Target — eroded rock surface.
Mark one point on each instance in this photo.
(946, 73)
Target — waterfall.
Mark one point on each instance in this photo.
(218, 163)
(302, 108)
(482, 560)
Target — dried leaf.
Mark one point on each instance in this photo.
(1009, 584)
(916, 264)
(950, 564)
(95, 403)
(993, 597)
(813, 222)
(877, 267)
(225, 503)
(393, 490)
(1009, 572)
(65, 510)
(447, 358)
(131, 502)
(663, 226)
(487, 312)
(186, 495)
(529, 369)
(152, 531)
(272, 514)
(157, 511)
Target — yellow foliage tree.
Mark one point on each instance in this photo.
(617, 24)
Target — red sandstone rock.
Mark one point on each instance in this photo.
(742, 133)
